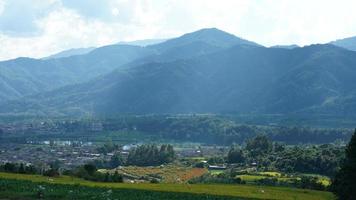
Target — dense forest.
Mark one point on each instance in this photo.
(273, 156)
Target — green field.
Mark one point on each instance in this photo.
(216, 172)
(239, 191)
(250, 178)
(253, 178)
(322, 179)
(27, 190)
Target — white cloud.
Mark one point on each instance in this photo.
(62, 29)
(18, 16)
(2, 6)
(115, 12)
(302, 22)
(63, 24)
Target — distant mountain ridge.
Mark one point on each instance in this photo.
(239, 79)
(347, 43)
(71, 52)
(25, 76)
(82, 51)
(143, 43)
(211, 36)
(208, 71)
(292, 46)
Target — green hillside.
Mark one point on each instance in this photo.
(208, 191)
(244, 79)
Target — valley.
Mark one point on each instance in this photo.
(202, 114)
(244, 160)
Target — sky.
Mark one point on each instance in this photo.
(38, 28)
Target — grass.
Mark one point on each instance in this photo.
(274, 174)
(241, 191)
(253, 178)
(322, 179)
(216, 172)
(27, 190)
(261, 175)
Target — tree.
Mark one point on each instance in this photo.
(21, 169)
(90, 168)
(259, 145)
(107, 177)
(235, 155)
(30, 169)
(312, 183)
(150, 155)
(55, 165)
(116, 160)
(166, 153)
(107, 147)
(51, 173)
(117, 178)
(344, 183)
(216, 160)
(9, 167)
(278, 147)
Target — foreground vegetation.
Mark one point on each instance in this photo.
(344, 183)
(28, 186)
(15, 189)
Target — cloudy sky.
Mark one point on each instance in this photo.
(38, 28)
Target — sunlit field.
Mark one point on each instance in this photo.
(242, 191)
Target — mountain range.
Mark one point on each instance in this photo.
(82, 51)
(347, 43)
(71, 52)
(207, 71)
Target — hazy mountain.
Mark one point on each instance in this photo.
(71, 52)
(144, 43)
(211, 36)
(243, 79)
(323, 80)
(82, 51)
(292, 46)
(347, 43)
(201, 42)
(25, 76)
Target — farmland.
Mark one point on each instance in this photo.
(167, 174)
(218, 190)
(251, 178)
(258, 169)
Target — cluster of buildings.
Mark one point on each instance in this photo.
(69, 156)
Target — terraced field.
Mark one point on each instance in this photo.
(167, 174)
(223, 191)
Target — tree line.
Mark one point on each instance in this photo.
(151, 155)
(267, 155)
(204, 129)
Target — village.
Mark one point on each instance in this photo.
(69, 155)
